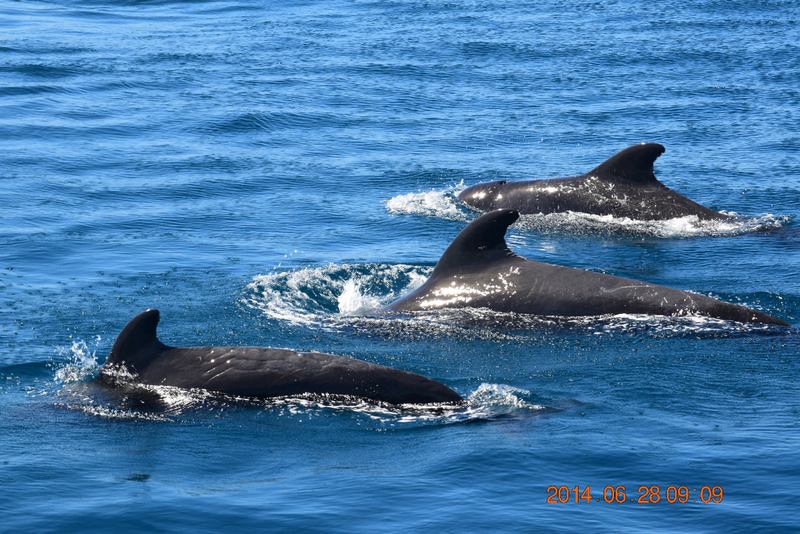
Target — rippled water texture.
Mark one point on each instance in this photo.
(271, 173)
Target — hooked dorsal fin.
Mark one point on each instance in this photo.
(481, 240)
(137, 345)
(634, 164)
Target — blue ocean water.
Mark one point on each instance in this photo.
(265, 173)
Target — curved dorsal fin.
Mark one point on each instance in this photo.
(481, 240)
(634, 164)
(137, 345)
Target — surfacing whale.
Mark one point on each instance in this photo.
(261, 372)
(623, 186)
(479, 271)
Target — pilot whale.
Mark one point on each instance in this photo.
(261, 372)
(479, 271)
(623, 186)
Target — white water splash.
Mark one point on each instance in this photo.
(106, 412)
(309, 295)
(81, 362)
(441, 204)
(659, 325)
(488, 401)
(500, 396)
(689, 226)
(352, 301)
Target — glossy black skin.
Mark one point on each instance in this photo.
(479, 271)
(623, 186)
(261, 372)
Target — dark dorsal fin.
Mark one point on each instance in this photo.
(137, 345)
(634, 164)
(482, 240)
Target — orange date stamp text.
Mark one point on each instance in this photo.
(646, 494)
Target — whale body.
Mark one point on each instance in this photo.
(261, 372)
(623, 186)
(479, 271)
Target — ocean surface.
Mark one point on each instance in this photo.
(267, 173)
